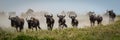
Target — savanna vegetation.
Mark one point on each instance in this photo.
(102, 32)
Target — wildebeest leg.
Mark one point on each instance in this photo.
(65, 25)
(17, 28)
(29, 26)
(52, 26)
(110, 19)
(72, 25)
(39, 27)
(91, 23)
(60, 27)
(48, 27)
(75, 26)
(32, 27)
(98, 22)
(113, 19)
(12, 24)
(36, 28)
(20, 28)
(94, 23)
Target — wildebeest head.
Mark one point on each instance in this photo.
(30, 20)
(61, 16)
(48, 15)
(109, 12)
(13, 18)
(92, 14)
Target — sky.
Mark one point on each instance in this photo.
(57, 6)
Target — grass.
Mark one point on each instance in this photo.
(103, 32)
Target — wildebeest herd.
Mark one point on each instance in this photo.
(18, 22)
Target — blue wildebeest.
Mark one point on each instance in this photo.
(99, 19)
(33, 23)
(17, 22)
(112, 15)
(62, 21)
(73, 16)
(92, 18)
(50, 21)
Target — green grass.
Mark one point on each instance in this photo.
(107, 32)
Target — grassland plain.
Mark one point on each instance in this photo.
(102, 32)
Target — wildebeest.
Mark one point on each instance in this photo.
(112, 15)
(99, 19)
(50, 21)
(17, 22)
(92, 18)
(74, 21)
(33, 23)
(62, 21)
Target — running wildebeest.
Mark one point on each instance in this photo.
(92, 18)
(112, 15)
(99, 19)
(17, 22)
(74, 21)
(50, 21)
(62, 21)
(33, 23)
